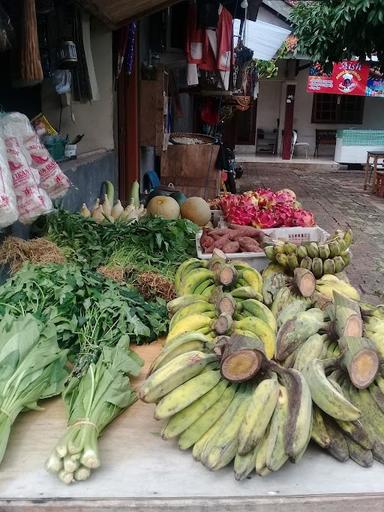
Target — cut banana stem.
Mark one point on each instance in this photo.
(360, 359)
(241, 358)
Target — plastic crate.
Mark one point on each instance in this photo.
(258, 260)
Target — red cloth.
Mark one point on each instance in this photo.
(199, 49)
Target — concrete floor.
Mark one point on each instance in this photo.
(338, 200)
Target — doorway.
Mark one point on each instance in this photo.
(240, 130)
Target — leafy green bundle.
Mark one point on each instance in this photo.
(92, 403)
(151, 242)
(32, 367)
(87, 309)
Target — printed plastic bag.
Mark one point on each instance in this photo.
(32, 201)
(52, 178)
(8, 205)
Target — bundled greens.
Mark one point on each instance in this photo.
(87, 309)
(92, 403)
(153, 243)
(32, 367)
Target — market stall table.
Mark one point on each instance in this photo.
(141, 472)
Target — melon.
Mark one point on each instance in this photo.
(163, 206)
(197, 210)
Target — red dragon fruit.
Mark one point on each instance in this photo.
(302, 218)
(238, 209)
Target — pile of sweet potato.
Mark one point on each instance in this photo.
(232, 239)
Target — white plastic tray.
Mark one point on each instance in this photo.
(258, 260)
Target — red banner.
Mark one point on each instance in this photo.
(348, 77)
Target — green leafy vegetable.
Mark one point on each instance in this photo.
(152, 241)
(32, 368)
(92, 403)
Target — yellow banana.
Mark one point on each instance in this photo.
(194, 279)
(191, 323)
(260, 329)
(175, 305)
(253, 278)
(186, 267)
(173, 374)
(200, 307)
(259, 310)
(258, 415)
(185, 394)
(186, 417)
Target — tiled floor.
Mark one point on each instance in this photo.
(338, 200)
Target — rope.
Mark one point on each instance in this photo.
(84, 421)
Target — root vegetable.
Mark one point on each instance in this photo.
(248, 244)
(231, 247)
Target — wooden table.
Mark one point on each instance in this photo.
(374, 166)
(140, 472)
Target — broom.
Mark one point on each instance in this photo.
(31, 69)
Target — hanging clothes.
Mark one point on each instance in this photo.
(210, 49)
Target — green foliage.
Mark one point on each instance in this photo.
(333, 30)
(269, 68)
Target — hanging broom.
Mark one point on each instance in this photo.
(31, 70)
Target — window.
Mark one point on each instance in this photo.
(331, 108)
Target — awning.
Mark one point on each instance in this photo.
(263, 38)
(116, 13)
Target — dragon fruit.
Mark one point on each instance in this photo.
(264, 208)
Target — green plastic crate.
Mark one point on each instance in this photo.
(361, 137)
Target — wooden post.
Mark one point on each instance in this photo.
(288, 122)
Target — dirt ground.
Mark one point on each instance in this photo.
(338, 200)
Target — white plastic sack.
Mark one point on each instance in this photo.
(8, 204)
(52, 178)
(32, 201)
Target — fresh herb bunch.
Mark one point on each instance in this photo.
(32, 368)
(92, 403)
(156, 242)
(87, 309)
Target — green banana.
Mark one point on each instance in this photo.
(317, 267)
(260, 310)
(224, 448)
(173, 374)
(244, 464)
(301, 252)
(261, 455)
(358, 454)
(295, 332)
(329, 266)
(203, 424)
(276, 455)
(326, 396)
(186, 417)
(319, 432)
(185, 394)
(312, 249)
(339, 264)
(269, 252)
(202, 447)
(282, 299)
(180, 345)
(201, 289)
(292, 310)
(306, 263)
(311, 349)
(293, 261)
(289, 248)
(334, 247)
(324, 252)
(258, 415)
(282, 259)
(299, 420)
(338, 447)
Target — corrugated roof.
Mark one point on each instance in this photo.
(281, 7)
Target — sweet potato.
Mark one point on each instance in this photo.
(241, 231)
(248, 244)
(219, 244)
(206, 241)
(218, 233)
(231, 247)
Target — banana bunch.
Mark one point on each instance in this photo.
(374, 326)
(330, 257)
(193, 277)
(258, 426)
(328, 284)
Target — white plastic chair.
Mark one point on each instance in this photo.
(296, 144)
